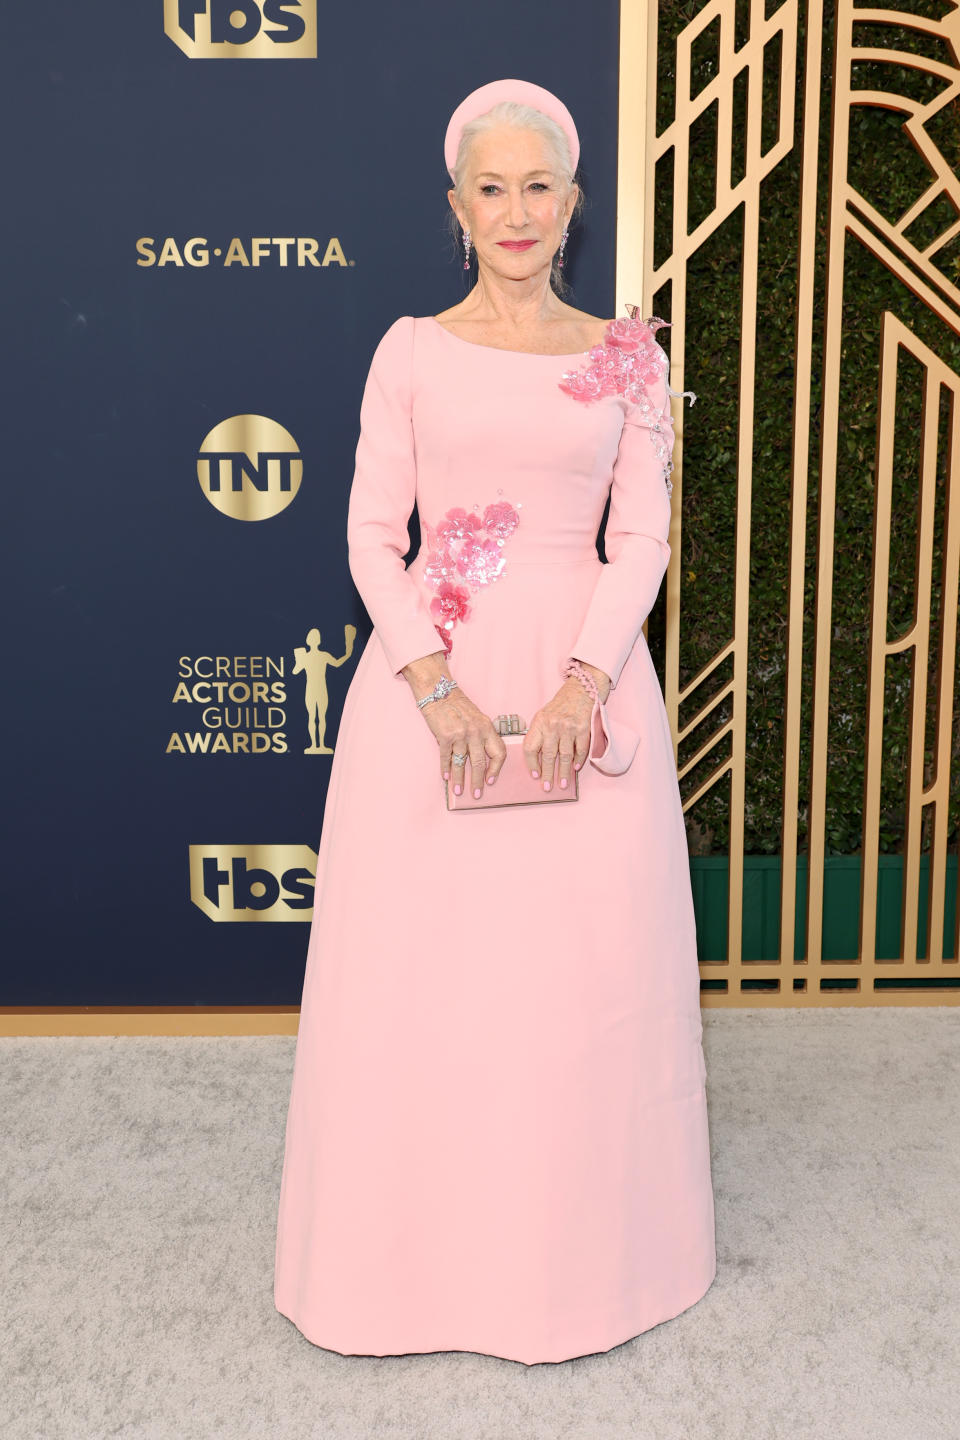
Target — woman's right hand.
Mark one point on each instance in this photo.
(462, 728)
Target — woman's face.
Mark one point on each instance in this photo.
(514, 192)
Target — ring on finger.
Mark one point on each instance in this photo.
(459, 759)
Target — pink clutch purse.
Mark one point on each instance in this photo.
(514, 785)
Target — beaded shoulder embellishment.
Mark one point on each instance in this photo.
(466, 545)
(628, 360)
(625, 364)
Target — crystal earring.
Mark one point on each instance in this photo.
(563, 242)
(466, 249)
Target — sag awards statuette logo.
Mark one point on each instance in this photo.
(240, 700)
(313, 662)
(249, 467)
(253, 882)
(242, 29)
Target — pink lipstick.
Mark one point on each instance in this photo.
(516, 244)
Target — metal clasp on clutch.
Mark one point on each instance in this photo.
(510, 725)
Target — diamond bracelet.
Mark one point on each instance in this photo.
(443, 687)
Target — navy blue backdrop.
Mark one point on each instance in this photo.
(121, 572)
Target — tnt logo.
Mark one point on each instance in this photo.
(243, 29)
(249, 467)
(253, 882)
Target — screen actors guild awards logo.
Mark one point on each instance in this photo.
(313, 662)
(238, 704)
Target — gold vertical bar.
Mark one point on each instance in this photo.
(636, 112)
(940, 790)
(877, 650)
(921, 670)
(799, 489)
(745, 422)
(833, 309)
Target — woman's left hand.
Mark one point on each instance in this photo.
(560, 730)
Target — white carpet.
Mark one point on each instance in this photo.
(139, 1203)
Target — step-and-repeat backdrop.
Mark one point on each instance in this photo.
(214, 209)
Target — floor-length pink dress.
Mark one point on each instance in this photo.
(497, 1135)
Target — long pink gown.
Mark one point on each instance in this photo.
(497, 1135)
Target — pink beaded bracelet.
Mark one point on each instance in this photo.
(573, 667)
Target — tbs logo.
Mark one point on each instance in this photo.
(253, 882)
(243, 29)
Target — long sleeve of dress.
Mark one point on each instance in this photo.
(636, 540)
(382, 497)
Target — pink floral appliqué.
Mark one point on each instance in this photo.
(465, 546)
(628, 360)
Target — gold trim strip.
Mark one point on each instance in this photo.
(149, 1020)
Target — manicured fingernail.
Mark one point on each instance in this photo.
(456, 789)
(446, 774)
(490, 779)
(546, 784)
(563, 783)
(535, 774)
(477, 793)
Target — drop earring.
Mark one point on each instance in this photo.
(466, 249)
(563, 242)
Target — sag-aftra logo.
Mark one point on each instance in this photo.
(243, 29)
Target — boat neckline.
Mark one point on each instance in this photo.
(500, 350)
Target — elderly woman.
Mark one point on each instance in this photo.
(497, 1134)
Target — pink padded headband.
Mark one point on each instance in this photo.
(478, 102)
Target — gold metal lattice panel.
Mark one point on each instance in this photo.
(810, 978)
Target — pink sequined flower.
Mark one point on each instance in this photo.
(457, 524)
(627, 334)
(440, 568)
(451, 603)
(500, 519)
(480, 561)
(468, 546)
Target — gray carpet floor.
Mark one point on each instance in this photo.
(140, 1185)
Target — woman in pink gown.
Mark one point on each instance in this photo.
(497, 1135)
